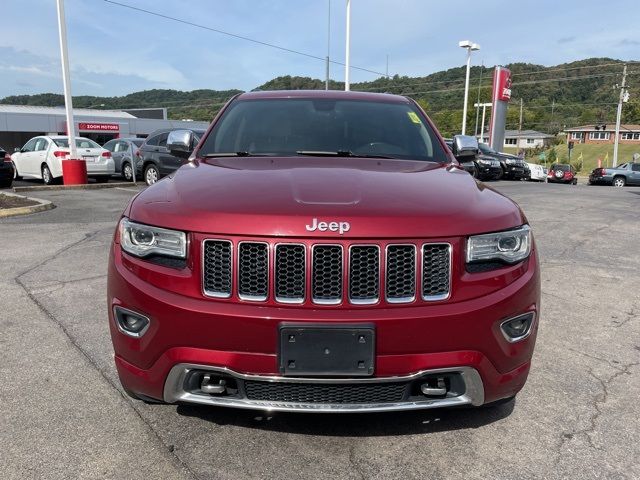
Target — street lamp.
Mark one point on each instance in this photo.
(470, 46)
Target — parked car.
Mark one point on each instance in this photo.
(562, 173)
(155, 159)
(320, 255)
(625, 174)
(513, 168)
(124, 152)
(480, 166)
(537, 173)
(6, 169)
(41, 157)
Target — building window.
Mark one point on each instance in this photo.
(510, 141)
(531, 141)
(599, 135)
(630, 136)
(576, 135)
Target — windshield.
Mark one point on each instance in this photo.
(563, 168)
(80, 143)
(287, 127)
(484, 148)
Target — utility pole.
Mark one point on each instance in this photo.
(326, 83)
(347, 85)
(623, 97)
(478, 103)
(520, 126)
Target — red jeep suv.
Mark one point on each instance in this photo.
(323, 252)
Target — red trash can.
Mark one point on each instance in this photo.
(74, 172)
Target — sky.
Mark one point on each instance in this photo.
(114, 50)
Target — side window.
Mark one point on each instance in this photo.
(110, 145)
(41, 145)
(121, 147)
(635, 167)
(162, 142)
(153, 141)
(30, 146)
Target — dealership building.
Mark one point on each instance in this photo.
(19, 123)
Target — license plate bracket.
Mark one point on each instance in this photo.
(327, 350)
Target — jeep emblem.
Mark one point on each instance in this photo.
(340, 227)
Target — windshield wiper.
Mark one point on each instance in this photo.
(339, 153)
(235, 154)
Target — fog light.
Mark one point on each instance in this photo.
(130, 323)
(518, 328)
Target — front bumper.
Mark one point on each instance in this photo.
(514, 172)
(241, 341)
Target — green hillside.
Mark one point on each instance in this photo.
(570, 94)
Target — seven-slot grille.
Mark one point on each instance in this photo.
(335, 272)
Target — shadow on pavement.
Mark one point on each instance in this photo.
(361, 425)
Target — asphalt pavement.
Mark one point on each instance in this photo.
(63, 414)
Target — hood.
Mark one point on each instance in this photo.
(267, 196)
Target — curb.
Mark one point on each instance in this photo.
(88, 186)
(42, 206)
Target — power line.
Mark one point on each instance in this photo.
(241, 37)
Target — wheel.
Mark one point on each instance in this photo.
(103, 179)
(6, 183)
(619, 182)
(151, 174)
(127, 171)
(47, 178)
(575, 181)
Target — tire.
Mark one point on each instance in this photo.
(575, 181)
(151, 174)
(127, 172)
(6, 183)
(619, 182)
(47, 178)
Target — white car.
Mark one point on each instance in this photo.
(41, 157)
(538, 172)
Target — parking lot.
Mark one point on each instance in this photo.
(63, 414)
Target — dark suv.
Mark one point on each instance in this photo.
(155, 160)
(513, 168)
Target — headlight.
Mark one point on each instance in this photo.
(144, 240)
(510, 246)
(484, 162)
(511, 161)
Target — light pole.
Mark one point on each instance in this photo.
(74, 170)
(470, 46)
(347, 47)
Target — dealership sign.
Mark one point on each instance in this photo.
(99, 127)
(503, 84)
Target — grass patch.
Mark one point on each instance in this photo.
(590, 155)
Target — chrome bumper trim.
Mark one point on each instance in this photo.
(174, 392)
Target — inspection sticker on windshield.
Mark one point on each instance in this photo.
(414, 117)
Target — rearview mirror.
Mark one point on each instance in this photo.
(180, 143)
(465, 146)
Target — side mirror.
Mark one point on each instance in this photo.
(17, 149)
(465, 146)
(180, 143)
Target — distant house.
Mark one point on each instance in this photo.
(603, 133)
(526, 139)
